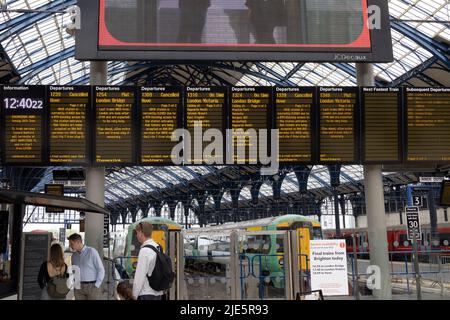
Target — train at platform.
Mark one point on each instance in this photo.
(397, 239)
(208, 249)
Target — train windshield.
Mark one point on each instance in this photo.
(135, 245)
(259, 244)
(317, 233)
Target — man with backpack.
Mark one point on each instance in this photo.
(154, 269)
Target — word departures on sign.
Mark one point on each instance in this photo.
(329, 267)
(413, 223)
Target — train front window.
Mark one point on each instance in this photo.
(316, 233)
(257, 244)
(135, 245)
(280, 245)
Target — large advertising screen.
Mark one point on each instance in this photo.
(235, 30)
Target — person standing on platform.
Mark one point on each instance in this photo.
(52, 277)
(146, 264)
(91, 267)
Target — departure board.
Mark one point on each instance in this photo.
(114, 125)
(24, 124)
(294, 107)
(428, 124)
(250, 108)
(68, 120)
(381, 139)
(338, 118)
(205, 109)
(159, 114)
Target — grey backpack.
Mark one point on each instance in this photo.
(57, 287)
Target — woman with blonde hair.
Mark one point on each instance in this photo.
(53, 275)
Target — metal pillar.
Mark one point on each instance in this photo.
(376, 216)
(433, 220)
(336, 212)
(95, 192)
(95, 177)
(342, 205)
(18, 212)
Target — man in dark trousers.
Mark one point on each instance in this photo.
(264, 16)
(192, 20)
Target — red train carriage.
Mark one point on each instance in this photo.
(396, 236)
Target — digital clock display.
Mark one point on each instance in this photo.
(23, 103)
(23, 141)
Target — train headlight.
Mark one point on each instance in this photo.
(281, 262)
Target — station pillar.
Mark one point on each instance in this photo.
(376, 216)
(95, 177)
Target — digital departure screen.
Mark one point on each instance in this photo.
(205, 109)
(337, 122)
(294, 113)
(444, 199)
(159, 114)
(250, 108)
(381, 127)
(68, 120)
(114, 125)
(24, 124)
(57, 190)
(428, 124)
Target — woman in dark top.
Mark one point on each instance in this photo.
(55, 266)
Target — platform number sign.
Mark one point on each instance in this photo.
(106, 230)
(413, 223)
(417, 201)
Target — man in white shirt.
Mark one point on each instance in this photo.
(146, 264)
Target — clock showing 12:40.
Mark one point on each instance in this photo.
(23, 103)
